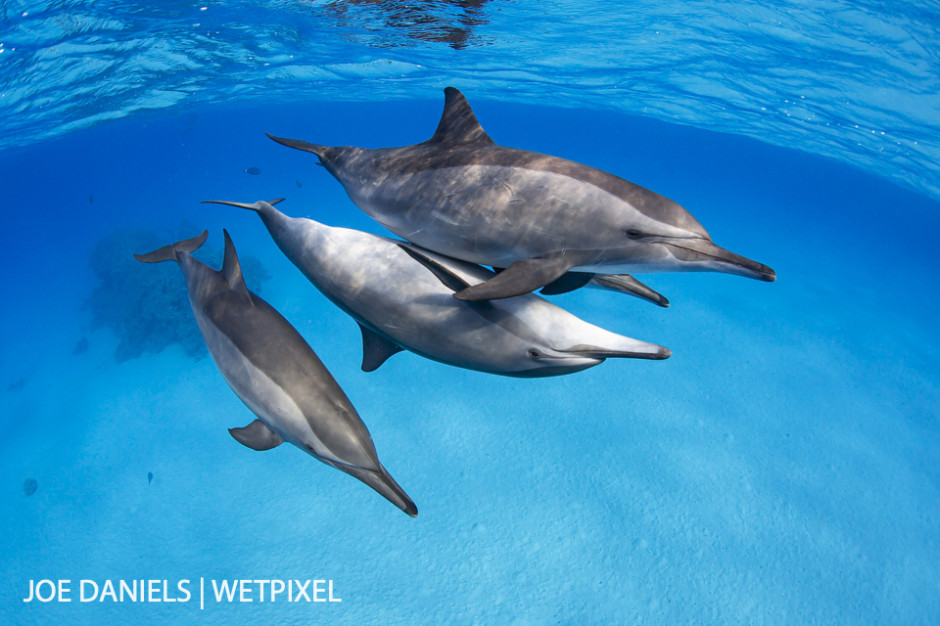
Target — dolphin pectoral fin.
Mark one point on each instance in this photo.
(257, 436)
(232, 269)
(168, 253)
(569, 282)
(521, 277)
(625, 283)
(376, 349)
(447, 277)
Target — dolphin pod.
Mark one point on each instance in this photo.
(460, 202)
(275, 372)
(401, 296)
(540, 217)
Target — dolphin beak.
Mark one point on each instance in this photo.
(639, 350)
(704, 252)
(384, 484)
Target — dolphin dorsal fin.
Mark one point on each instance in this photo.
(232, 269)
(458, 124)
(376, 349)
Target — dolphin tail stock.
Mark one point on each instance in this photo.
(168, 253)
(383, 483)
(254, 206)
(297, 144)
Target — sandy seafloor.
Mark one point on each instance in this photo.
(780, 468)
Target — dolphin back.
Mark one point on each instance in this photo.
(168, 253)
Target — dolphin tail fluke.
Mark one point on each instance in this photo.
(385, 485)
(254, 206)
(168, 253)
(297, 144)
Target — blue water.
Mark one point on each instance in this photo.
(781, 467)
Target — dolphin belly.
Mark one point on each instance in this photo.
(374, 281)
(266, 399)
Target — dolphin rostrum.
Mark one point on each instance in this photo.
(539, 216)
(275, 372)
(402, 298)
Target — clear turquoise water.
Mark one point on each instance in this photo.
(781, 467)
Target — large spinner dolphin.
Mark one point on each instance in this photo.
(275, 372)
(402, 298)
(539, 216)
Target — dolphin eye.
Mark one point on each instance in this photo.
(533, 353)
(633, 233)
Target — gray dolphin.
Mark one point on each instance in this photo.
(538, 216)
(275, 372)
(402, 298)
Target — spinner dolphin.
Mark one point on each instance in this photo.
(275, 372)
(402, 298)
(462, 195)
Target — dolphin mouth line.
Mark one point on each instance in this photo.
(601, 354)
(568, 354)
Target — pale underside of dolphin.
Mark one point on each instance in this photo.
(273, 370)
(462, 195)
(402, 298)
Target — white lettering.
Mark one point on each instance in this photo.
(108, 590)
(261, 584)
(84, 597)
(153, 590)
(302, 589)
(57, 590)
(277, 586)
(332, 599)
(129, 590)
(183, 587)
(244, 589)
(224, 587)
